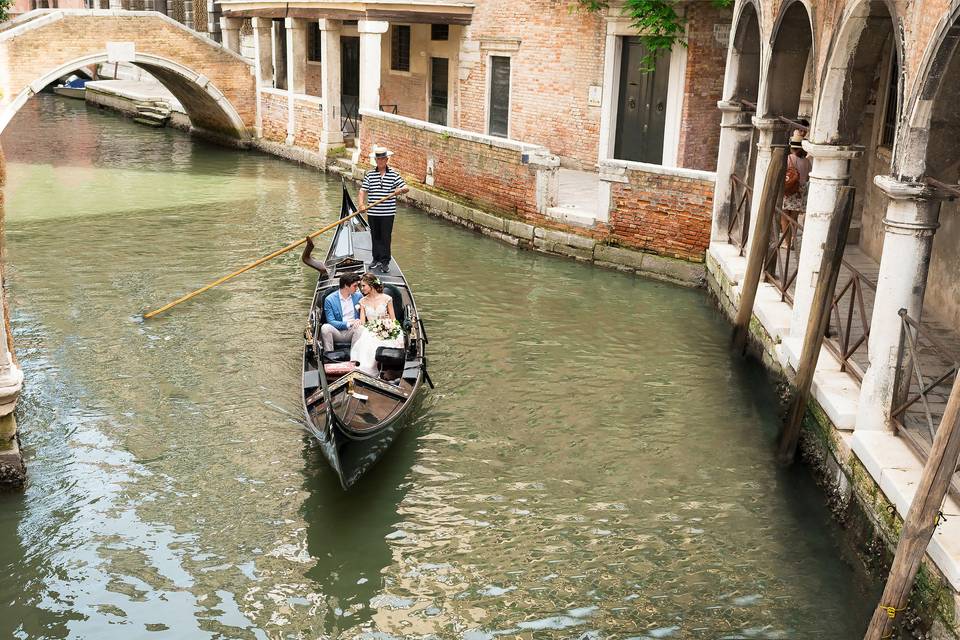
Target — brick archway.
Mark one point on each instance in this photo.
(215, 86)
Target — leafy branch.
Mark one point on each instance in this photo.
(657, 22)
(5, 10)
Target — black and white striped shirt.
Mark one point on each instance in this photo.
(378, 185)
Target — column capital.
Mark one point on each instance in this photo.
(372, 26)
(728, 105)
(328, 24)
(230, 24)
(768, 125)
(295, 23)
(261, 23)
(902, 190)
(832, 151)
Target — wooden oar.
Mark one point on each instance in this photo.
(252, 265)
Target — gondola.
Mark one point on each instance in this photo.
(355, 416)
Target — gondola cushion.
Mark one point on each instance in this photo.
(390, 357)
(338, 355)
(337, 369)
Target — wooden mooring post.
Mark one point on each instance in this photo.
(770, 196)
(921, 520)
(820, 306)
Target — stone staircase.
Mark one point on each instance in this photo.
(153, 113)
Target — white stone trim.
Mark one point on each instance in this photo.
(610, 166)
(676, 85)
(482, 138)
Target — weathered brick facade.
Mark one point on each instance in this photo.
(662, 213)
(273, 115)
(307, 122)
(556, 54)
(703, 87)
(490, 176)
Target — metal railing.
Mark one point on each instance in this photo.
(350, 116)
(739, 212)
(849, 326)
(783, 253)
(925, 374)
(389, 108)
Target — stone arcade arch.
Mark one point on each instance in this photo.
(736, 149)
(791, 50)
(215, 86)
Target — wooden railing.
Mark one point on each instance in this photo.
(783, 253)
(849, 327)
(738, 222)
(930, 388)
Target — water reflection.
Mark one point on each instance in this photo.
(593, 461)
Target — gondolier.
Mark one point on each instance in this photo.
(379, 182)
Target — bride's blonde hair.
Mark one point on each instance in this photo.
(373, 281)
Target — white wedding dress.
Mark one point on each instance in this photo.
(364, 349)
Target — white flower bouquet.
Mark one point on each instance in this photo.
(384, 328)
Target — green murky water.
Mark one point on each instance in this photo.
(593, 463)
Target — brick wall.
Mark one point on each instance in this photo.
(488, 173)
(703, 87)
(556, 55)
(308, 123)
(273, 115)
(312, 79)
(663, 213)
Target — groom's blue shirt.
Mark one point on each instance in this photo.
(333, 312)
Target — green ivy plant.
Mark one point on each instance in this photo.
(657, 22)
(5, 10)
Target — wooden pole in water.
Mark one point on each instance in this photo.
(921, 520)
(820, 306)
(770, 196)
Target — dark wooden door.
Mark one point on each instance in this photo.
(349, 84)
(642, 108)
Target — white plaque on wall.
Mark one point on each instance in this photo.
(594, 96)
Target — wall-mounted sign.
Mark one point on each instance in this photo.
(594, 96)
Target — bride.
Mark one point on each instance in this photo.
(378, 325)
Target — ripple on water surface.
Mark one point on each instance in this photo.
(592, 463)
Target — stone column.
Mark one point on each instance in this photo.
(263, 48)
(213, 20)
(733, 157)
(332, 136)
(912, 219)
(230, 32)
(370, 36)
(831, 169)
(767, 129)
(296, 55)
(262, 61)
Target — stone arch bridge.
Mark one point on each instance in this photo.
(216, 87)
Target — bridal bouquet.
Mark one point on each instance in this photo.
(384, 328)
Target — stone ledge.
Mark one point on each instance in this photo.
(614, 170)
(562, 243)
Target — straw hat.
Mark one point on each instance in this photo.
(379, 152)
(796, 140)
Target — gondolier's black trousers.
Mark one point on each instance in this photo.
(381, 233)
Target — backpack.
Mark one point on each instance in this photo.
(791, 181)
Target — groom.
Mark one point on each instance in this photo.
(340, 310)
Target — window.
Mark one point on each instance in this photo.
(890, 109)
(400, 48)
(439, 32)
(499, 118)
(313, 43)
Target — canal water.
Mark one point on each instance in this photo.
(593, 462)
